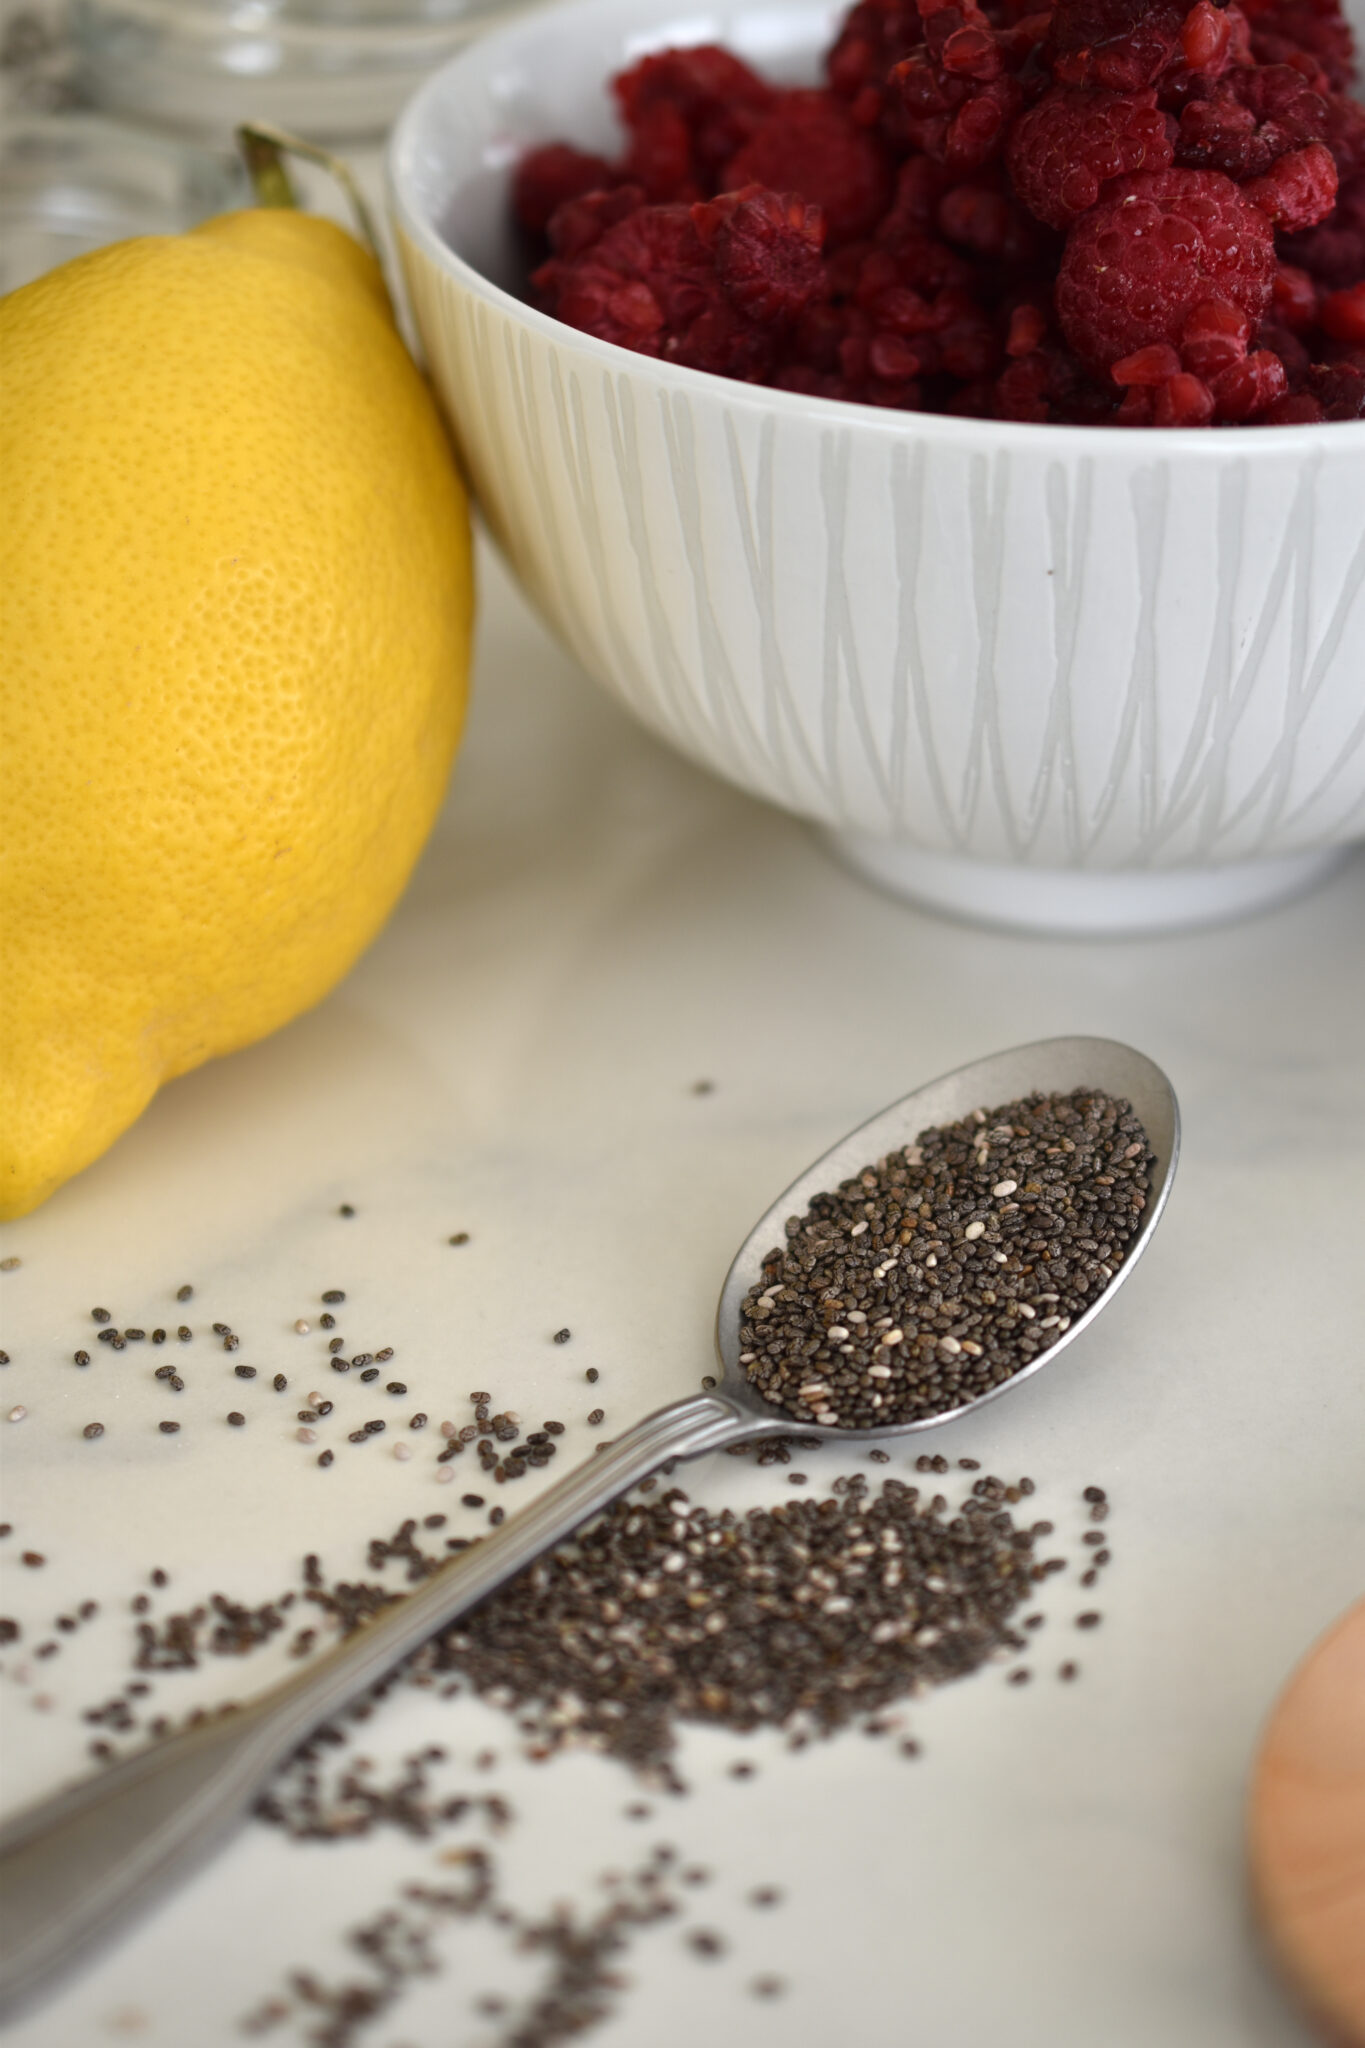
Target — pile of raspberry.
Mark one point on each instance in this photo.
(1112, 212)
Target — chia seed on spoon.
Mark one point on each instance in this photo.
(948, 1267)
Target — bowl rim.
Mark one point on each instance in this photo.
(416, 133)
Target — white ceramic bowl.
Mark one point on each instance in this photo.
(1057, 677)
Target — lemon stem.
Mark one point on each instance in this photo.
(264, 150)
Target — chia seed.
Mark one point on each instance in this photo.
(934, 1276)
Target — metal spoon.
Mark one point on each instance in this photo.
(76, 1867)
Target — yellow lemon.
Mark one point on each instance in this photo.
(236, 600)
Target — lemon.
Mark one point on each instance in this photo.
(235, 612)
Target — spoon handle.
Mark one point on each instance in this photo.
(75, 1867)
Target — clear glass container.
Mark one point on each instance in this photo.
(333, 70)
(72, 182)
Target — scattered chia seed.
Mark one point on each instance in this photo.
(99, 1315)
(82, 1357)
(245, 1372)
(562, 1336)
(236, 1419)
(345, 1210)
(807, 1616)
(460, 1237)
(934, 1276)
(333, 1297)
(592, 1375)
(93, 1429)
(184, 1293)
(597, 1415)
(279, 1383)
(168, 1428)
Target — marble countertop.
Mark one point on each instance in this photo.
(596, 928)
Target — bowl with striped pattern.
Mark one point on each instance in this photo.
(1063, 678)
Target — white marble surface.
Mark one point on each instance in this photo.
(595, 927)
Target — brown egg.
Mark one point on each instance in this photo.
(1307, 1831)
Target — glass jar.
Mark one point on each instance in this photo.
(72, 182)
(333, 70)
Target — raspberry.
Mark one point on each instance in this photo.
(1028, 325)
(1155, 364)
(1253, 117)
(1343, 314)
(688, 113)
(1295, 297)
(1345, 135)
(1021, 390)
(646, 276)
(1214, 337)
(959, 121)
(1122, 44)
(811, 143)
(547, 177)
(1339, 389)
(1295, 409)
(1066, 149)
(1205, 38)
(767, 252)
(1182, 401)
(1136, 266)
(1244, 390)
(1298, 191)
(875, 35)
(574, 227)
(1334, 253)
(1311, 34)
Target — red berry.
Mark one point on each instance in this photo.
(688, 112)
(811, 144)
(547, 177)
(574, 227)
(1292, 31)
(1334, 253)
(1136, 266)
(1339, 389)
(1214, 337)
(1343, 313)
(1298, 190)
(1295, 409)
(1155, 364)
(1295, 297)
(1028, 325)
(1252, 117)
(767, 252)
(1182, 401)
(1064, 151)
(1204, 37)
(1122, 44)
(1244, 390)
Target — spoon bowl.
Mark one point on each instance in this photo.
(1051, 1066)
(77, 1867)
